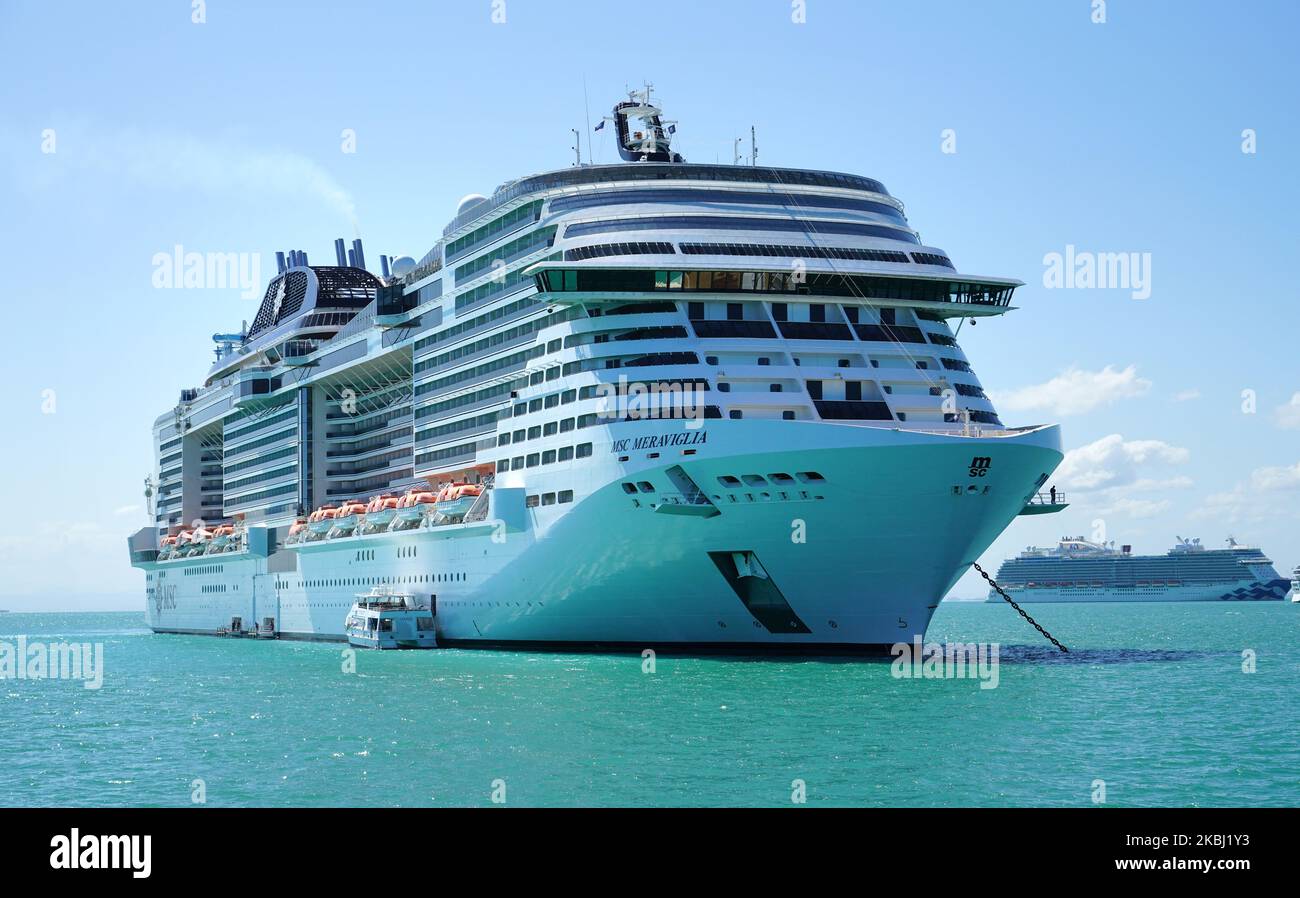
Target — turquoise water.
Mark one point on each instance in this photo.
(1152, 700)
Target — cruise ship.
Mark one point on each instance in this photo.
(647, 403)
(1076, 570)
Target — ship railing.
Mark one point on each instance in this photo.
(1047, 499)
(479, 510)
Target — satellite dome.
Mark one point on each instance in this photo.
(402, 265)
(469, 201)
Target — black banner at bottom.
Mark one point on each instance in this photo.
(392, 847)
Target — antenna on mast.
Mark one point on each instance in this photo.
(753, 146)
(586, 104)
(735, 152)
(577, 146)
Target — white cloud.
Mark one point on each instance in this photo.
(1138, 508)
(1287, 416)
(1267, 493)
(99, 552)
(175, 161)
(1187, 395)
(1075, 391)
(1113, 462)
(1276, 478)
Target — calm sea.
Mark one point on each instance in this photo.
(1152, 702)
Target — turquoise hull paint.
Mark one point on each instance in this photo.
(863, 557)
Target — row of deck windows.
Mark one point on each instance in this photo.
(592, 280)
(550, 456)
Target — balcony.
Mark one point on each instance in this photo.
(752, 329)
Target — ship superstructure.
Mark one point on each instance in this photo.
(646, 403)
(1077, 570)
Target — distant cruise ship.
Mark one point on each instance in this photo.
(626, 405)
(1076, 570)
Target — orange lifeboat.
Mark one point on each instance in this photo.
(296, 531)
(380, 510)
(322, 519)
(415, 503)
(221, 535)
(458, 498)
(350, 513)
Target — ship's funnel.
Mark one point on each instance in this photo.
(361, 256)
(340, 253)
(279, 262)
(383, 266)
(352, 258)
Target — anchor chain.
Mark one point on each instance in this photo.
(1022, 611)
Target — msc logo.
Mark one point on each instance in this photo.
(979, 465)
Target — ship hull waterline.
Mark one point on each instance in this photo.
(855, 562)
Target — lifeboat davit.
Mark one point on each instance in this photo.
(380, 510)
(350, 513)
(322, 519)
(415, 503)
(457, 498)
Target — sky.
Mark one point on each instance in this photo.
(1165, 131)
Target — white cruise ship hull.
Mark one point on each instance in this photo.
(1227, 591)
(858, 559)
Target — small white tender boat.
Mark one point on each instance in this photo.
(387, 619)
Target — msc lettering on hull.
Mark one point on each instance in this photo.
(658, 441)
